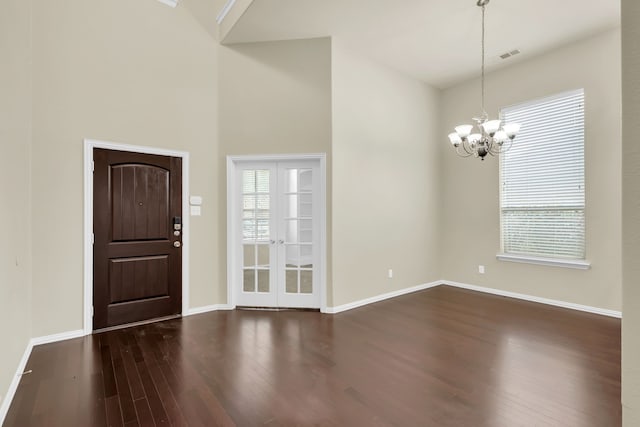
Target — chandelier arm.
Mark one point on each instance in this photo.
(468, 148)
(497, 149)
(465, 152)
(493, 148)
(506, 147)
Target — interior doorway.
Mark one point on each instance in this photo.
(277, 232)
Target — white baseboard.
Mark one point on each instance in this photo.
(208, 308)
(6, 402)
(382, 297)
(13, 387)
(57, 337)
(524, 297)
(557, 303)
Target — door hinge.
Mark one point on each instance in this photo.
(93, 166)
(92, 311)
(93, 239)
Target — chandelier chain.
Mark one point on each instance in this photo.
(483, 110)
(490, 136)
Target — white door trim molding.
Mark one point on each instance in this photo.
(89, 145)
(232, 162)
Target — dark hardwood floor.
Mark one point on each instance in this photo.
(440, 357)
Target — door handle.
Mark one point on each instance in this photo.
(176, 244)
(281, 241)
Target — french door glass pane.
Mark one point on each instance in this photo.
(256, 229)
(249, 280)
(292, 281)
(306, 281)
(249, 255)
(255, 181)
(292, 255)
(263, 256)
(306, 256)
(305, 234)
(263, 280)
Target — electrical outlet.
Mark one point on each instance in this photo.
(481, 269)
(390, 274)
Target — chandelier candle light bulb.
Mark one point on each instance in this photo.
(492, 137)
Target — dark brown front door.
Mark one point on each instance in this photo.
(137, 258)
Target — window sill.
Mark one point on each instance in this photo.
(553, 262)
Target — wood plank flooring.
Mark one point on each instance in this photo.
(440, 357)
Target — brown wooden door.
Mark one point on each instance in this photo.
(137, 268)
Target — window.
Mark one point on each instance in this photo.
(542, 179)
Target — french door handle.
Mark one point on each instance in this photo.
(272, 241)
(281, 241)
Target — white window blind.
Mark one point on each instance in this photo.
(542, 179)
(256, 201)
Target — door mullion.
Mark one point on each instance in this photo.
(275, 231)
(278, 265)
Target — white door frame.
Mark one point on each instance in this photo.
(232, 199)
(89, 145)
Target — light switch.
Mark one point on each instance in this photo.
(196, 211)
(195, 200)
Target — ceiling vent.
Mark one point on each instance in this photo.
(510, 54)
(172, 3)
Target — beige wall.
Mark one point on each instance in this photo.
(15, 146)
(234, 14)
(471, 220)
(385, 179)
(275, 98)
(631, 212)
(135, 72)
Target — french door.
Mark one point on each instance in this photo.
(277, 234)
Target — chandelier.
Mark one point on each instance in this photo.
(491, 136)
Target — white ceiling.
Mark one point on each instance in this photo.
(437, 41)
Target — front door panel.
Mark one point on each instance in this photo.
(137, 245)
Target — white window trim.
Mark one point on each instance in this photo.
(576, 264)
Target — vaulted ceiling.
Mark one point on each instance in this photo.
(437, 41)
